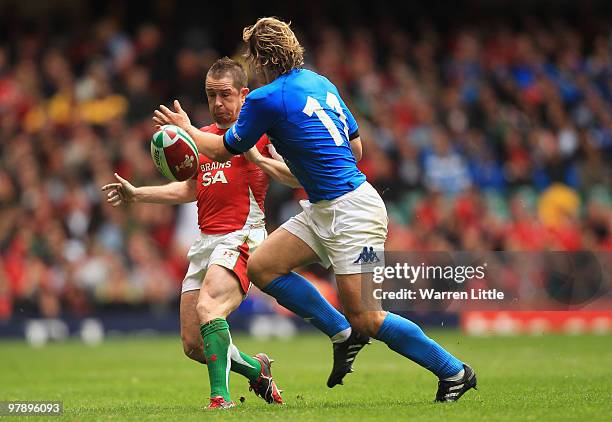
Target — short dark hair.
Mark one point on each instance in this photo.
(224, 66)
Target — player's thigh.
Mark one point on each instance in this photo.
(359, 227)
(220, 294)
(279, 254)
(190, 322)
(363, 310)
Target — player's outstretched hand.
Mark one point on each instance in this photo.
(165, 116)
(119, 192)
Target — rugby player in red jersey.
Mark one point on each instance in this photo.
(230, 199)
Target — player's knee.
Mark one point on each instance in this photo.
(262, 271)
(205, 311)
(367, 323)
(256, 271)
(210, 308)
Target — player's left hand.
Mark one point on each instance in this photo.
(165, 116)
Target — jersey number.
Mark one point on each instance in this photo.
(218, 177)
(313, 106)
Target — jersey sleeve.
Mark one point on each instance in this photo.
(257, 115)
(353, 128)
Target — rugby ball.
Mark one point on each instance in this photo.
(174, 153)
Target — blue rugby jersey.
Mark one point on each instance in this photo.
(309, 125)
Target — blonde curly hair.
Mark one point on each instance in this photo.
(273, 45)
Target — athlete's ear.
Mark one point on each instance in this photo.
(243, 92)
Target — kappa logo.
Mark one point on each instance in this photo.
(367, 256)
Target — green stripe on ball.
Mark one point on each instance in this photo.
(189, 140)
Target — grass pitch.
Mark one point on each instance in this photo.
(519, 378)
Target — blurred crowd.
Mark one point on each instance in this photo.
(480, 138)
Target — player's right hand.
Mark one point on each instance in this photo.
(119, 192)
(164, 116)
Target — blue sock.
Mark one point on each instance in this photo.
(296, 293)
(406, 338)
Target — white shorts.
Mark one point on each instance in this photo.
(348, 232)
(229, 250)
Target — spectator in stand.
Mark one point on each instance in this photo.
(445, 170)
(466, 131)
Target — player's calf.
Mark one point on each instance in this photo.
(367, 322)
(190, 327)
(194, 349)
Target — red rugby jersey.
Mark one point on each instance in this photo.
(230, 195)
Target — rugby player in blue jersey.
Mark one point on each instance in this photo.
(344, 220)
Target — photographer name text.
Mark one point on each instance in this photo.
(422, 272)
(431, 294)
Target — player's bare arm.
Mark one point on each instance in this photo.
(273, 167)
(357, 148)
(209, 144)
(123, 191)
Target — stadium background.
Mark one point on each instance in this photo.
(486, 126)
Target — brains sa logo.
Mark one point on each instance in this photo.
(367, 256)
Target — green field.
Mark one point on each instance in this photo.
(520, 378)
